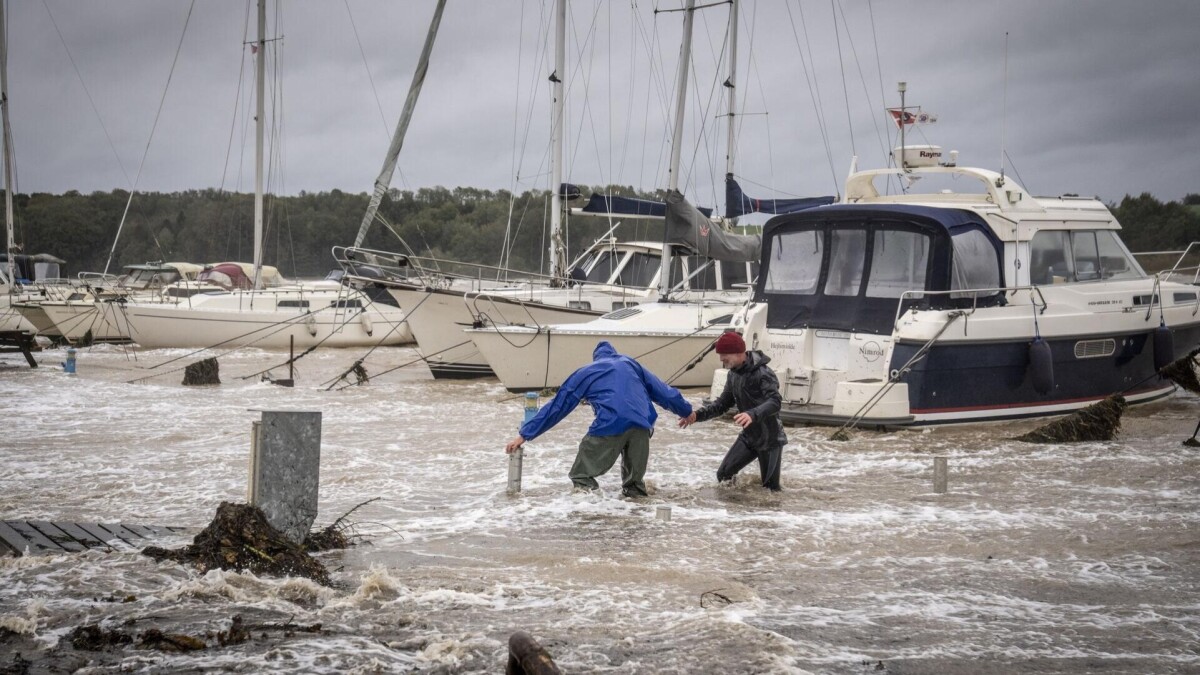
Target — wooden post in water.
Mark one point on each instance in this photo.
(940, 474)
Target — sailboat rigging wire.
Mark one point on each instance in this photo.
(814, 88)
(367, 68)
(422, 357)
(837, 34)
(888, 160)
(863, 78)
(87, 93)
(146, 152)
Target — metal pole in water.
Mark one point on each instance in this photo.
(516, 460)
(940, 474)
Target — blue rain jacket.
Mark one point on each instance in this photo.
(621, 392)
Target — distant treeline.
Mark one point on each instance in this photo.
(205, 226)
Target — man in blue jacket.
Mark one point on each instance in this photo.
(622, 394)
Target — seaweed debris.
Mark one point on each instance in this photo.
(1097, 422)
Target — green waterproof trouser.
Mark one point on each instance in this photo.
(597, 454)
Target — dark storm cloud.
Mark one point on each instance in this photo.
(1101, 95)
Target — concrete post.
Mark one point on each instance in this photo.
(285, 469)
(940, 474)
(663, 513)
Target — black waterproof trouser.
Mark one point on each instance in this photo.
(769, 462)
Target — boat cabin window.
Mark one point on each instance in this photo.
(847, 254)
(899, 263)
(605, 264)
(1063, 256)
(735, 273)
(974, 263)
(46, 270)
(796, 263)
(703, 273)
(639, 270)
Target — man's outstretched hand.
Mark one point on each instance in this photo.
(514, 445)
(685, 422)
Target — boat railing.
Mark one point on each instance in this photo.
(371, 264)
(1039, 300)
(1180, 273)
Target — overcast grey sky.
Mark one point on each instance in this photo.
(1103, 96)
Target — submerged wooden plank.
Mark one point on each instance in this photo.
(38, 542)
(80, 535)
(140, 530)
(56, 535)
(123, 534)
(12, 540)
(99, 533)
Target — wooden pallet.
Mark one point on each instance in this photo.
(42, 537)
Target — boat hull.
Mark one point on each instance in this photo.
(73, 320)
(211, 322)
(438, 318)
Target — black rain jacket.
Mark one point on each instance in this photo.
(754, 388)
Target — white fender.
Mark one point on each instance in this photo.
(366, 323)
(310, 322)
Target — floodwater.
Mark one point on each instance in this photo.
(1041, 558)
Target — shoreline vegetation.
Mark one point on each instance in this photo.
(463, 223)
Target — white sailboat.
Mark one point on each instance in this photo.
(673, 336)
(92, 311)
(326, 313)
(610, 276)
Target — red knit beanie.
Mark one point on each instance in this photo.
(730, 343)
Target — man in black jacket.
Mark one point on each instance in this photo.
(752, 385)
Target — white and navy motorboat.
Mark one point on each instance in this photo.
(945, 307)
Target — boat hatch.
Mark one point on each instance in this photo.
(847, 267)
(622, 314)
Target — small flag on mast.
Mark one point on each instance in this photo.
(901, 117)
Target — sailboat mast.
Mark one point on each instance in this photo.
(558, 253)
(260, 70)
(685, 58)
(410, 104)
(731, 85)
(10, 248)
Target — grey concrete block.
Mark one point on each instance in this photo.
(285, 470)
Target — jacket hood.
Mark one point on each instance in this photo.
(755, 359)
(603, 351)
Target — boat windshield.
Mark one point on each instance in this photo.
(639, 270)
(602, 270)
(796, 262)
(1067, 256)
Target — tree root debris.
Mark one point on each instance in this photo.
(240, 538)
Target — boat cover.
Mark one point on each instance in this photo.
(688, 226)
(629, 206)
(737, 203)
(962, 253)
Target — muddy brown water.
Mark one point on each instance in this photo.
(1040, 558)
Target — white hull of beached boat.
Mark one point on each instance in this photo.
(672, 340)
(439, 317)
(267, 319)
